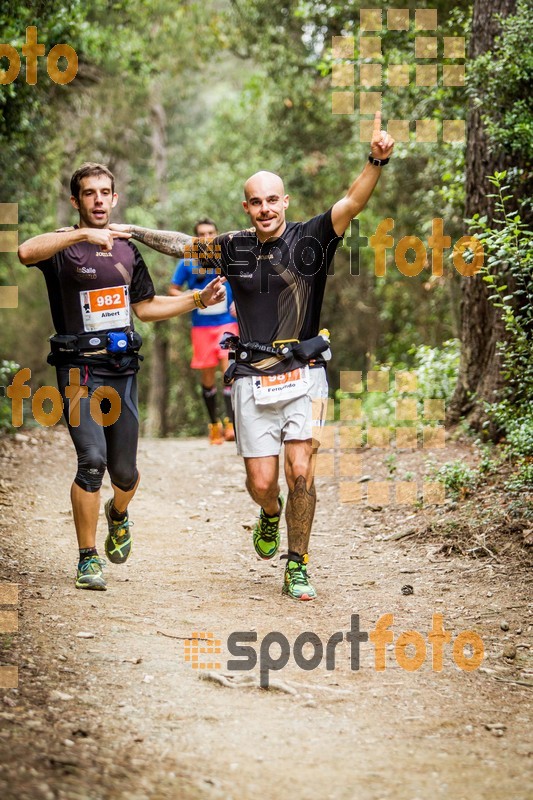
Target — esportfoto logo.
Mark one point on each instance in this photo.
(309, 651)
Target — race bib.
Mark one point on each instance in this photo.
(104, 309)
(278, 388)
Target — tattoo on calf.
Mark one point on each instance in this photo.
(300, 512)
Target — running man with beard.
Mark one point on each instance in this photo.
(277, 271)
(95, 279)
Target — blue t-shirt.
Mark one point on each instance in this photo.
(219, 314)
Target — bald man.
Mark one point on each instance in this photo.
(277, 271)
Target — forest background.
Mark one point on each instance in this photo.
(185, 100)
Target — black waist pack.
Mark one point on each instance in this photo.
(310, 349)
(74, 348)
(244, 351)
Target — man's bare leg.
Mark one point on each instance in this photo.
(262, 482)
(122, 499)
(118, 541)
(85, 509)
(301, 501)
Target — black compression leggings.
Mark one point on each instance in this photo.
(98, 447)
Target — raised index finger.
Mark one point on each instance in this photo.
(377, 122)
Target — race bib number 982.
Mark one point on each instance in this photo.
(105, 309)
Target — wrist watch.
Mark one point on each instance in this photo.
(378, 162)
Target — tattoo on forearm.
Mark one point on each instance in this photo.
(172, 243)
(299, 515)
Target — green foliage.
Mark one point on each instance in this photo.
(435, 370)
(6, 641)
(500, 83)
(390, 462)
(487, 464)
(7, 370)
(458, 478)
(519, 435)
(240, 86)
(508, 245)
(518, 445)
(522, 479)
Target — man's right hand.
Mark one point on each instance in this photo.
(104, 236)
(45, 245)
(120, 228)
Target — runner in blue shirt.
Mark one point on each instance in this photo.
(208, 325)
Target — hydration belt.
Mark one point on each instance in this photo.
(244, 352)
(67, 347)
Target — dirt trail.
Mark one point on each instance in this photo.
(123, 716)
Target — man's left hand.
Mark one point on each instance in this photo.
(381, 145)
(214, 292)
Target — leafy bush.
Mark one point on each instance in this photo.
(519, 436)
(500, 82)
(509, 248)
(7, 370)
(522, 478)
(435, 369)
(457, 477)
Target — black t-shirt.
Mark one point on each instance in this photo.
(92, 290)
(278, 285)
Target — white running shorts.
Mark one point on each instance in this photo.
(260, 430)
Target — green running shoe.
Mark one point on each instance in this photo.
(118, 542)
(90, 574)
(266, 536)
(296, 581)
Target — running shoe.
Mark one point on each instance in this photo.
(229, 432)
(90, 574)
(266, 535)
(296, 580)
(216, 433)
(118, 542)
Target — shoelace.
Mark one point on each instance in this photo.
(298, 574)
(121, 526)
(88, 564)
(269, 527)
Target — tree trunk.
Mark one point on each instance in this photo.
(157, 406)
(480, 377)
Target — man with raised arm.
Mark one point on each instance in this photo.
(277, 271)
(95, 278)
